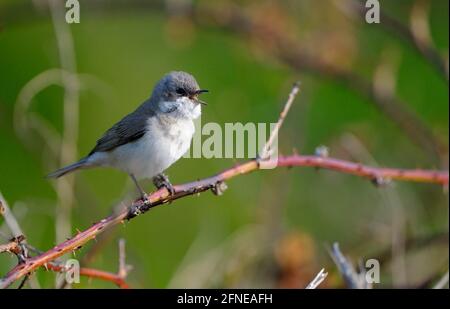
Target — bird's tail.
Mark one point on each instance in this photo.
(69, 168)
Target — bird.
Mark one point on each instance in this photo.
(147, 141)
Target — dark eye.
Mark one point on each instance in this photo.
(181, 91)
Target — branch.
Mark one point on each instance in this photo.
(10, 220)
(353, 279)
(19, 247)
(18, 238)
(163, 196)
(118, 279)
(442, 282)
(265, 153)
(12, 247)
(123, 267)
(317, 280)
(92, 273)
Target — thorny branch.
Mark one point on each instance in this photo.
(163, 196)
(21, 249)
(216, 185)
(118, 279)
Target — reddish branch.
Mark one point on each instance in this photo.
(162, 196)
(16, 247)
(93, 273)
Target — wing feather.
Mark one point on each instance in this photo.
(129, 129)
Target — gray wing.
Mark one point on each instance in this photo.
(129, 129)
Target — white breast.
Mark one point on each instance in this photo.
(154, 152)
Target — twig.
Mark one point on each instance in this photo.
(58, 266)
(18, 237)
(24, 280)
(163, 196)
(265, 153)
(19, 247)
(317, 280)
(10, 220)
(442, 282)
(123, 267)
(11, 247)
(353, 279)
(93, 273)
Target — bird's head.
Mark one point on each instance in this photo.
(177, 93)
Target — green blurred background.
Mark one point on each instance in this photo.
(271, 228)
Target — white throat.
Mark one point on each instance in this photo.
(183, 107)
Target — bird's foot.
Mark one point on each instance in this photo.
(145, 199)
(162, 181)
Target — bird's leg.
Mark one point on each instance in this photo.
(144, 195)
(162, 181)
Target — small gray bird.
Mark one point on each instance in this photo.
(153, 137)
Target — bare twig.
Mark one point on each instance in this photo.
(24, 280)
(442, 282)
(10, 220)
(92, 273)
(11, 247)
(18, 237)
(265, 153)
(163, 196)
(317, 280)
(123, 267)
(353, 279)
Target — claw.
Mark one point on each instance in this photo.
(145, 199)
(162, 181)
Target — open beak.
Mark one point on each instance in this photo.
(200, 92)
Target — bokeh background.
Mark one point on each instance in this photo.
(372, 93)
